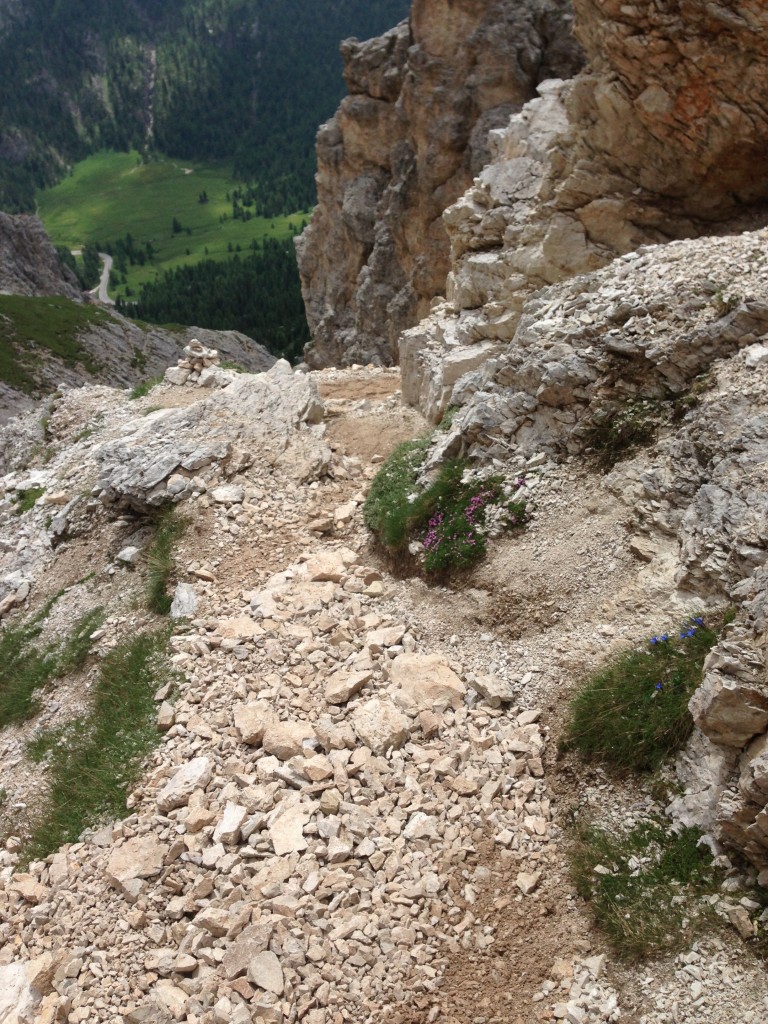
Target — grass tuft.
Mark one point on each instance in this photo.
(169, 528)
(25, 669)
(92, 763)
(144, 387)
(644, 885)
(388, 512)
(25, 500)
(634, 712)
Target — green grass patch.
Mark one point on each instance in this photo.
(29, 324)
(448, 518)
(644, 885)
(144, 387)
(25, 668)
(387, 511)
(633, 713)
(109, 195)
(169, 528)
(26, 499)
(93, 762)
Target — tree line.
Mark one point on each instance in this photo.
(247, 81)
(257, 293)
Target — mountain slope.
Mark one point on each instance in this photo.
(242, 80)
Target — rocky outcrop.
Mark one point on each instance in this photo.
(28, 261)
(657, 139)
(669, 344)
(114, 350)
(403, 146)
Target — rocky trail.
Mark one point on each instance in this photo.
(356, 812)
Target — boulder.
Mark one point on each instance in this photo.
(194, 775)
(426, 683)
(286, 739)
(379, 725)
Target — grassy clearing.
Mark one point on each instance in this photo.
(634, 712)
(109, 195)
(169, 528)
(26, 668)
(92, 763)
(28, 324)
(448, 518)
(645, 885)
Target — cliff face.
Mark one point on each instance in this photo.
(598, 166)
(28, 262)
(403, 146)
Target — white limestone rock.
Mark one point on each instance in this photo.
(379, 725)
(194, 775)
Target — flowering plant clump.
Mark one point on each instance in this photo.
(464, 517)
(447, 523)
(634, 712)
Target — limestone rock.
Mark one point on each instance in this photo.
(426, 683)
(731, 705)
(194, 775)
(140, 857)
(184, 603)
(228, 829)
(265, 972)
(341, 686)
(251, 720)
(286, 829)
(404, 144)
(286, 739)
(379, 725)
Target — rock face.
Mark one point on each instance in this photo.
(636, 149)
(403, 146)
(28, 262)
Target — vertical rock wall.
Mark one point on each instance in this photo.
(403, 146)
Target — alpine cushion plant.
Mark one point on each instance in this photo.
(448, 522)
(634, 712)
(463, 513)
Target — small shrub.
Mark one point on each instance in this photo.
(144, 387)
(634, 712)
(93, 762)
(169, 528)
(620, 432)
(25, 500)
(644, 885)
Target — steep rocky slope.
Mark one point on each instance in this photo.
(404, 145)
(28, 261)
(71, 342)
(354, 811)
(53, 344)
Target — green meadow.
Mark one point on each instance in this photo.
(109, 195)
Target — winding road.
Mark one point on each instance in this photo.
(100, 291)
